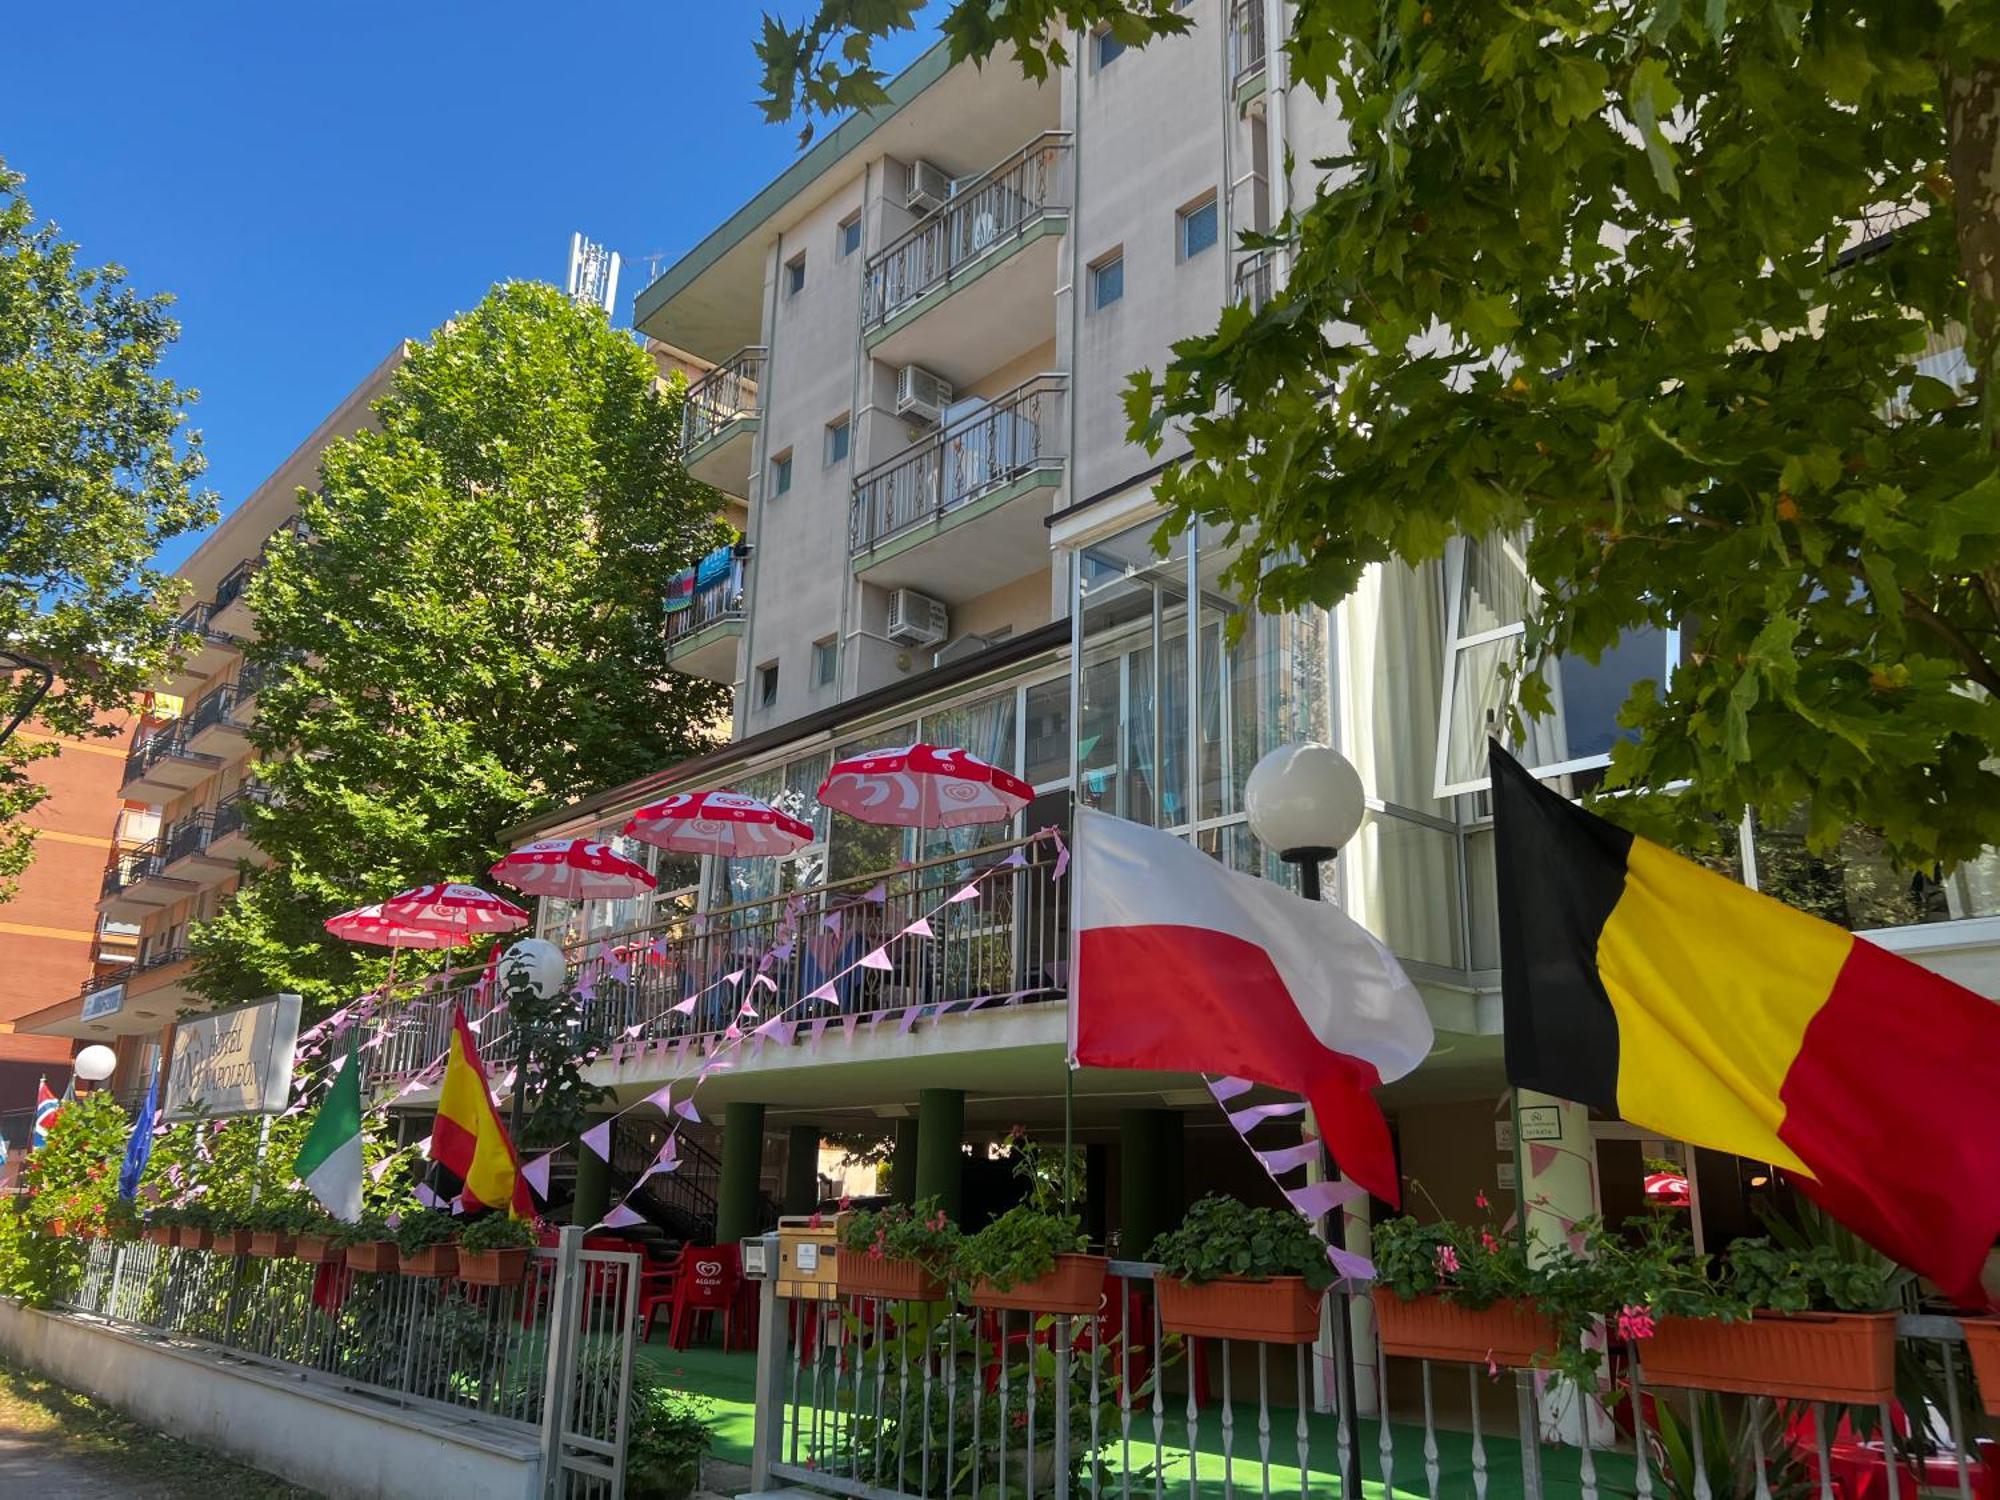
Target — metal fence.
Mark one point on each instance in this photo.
(721, 396)
(986, 212)
(888, 1399)
(1017, 433)
(721, 600)
(551, 1354)
(1007, 943)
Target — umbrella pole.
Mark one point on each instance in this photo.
(1069, 1137)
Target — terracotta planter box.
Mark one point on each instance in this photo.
(373, 1255)
(59, 1227)
(1982, 1342)
(159, 1234)
(230, 1242)
(318, 1249)
(492, 1267)
(269, 1243)
(1807, 1356)
(1281, 1310)
(435, 1260)
(187, 1237)
(1075, 1287)
(1506, 1333)
(860, 1274)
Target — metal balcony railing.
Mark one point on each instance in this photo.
(212, 710)
(130, 867)
(721, 600)
(229, 815)
(159, 746)
(1256, 279)
(727, 392)
(234, 582)
(1247, 50)
(187, 837)
(197, 622)
(986, 212)
(1022, 431)
(1007, 944)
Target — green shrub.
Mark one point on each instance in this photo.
(499, 1231)
(1222, 1237)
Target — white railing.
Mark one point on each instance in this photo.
(985, 213)
(724, 394)
(1019, 432)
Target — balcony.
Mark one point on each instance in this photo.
(187, 852)
(970, 288)
(207, 649)
(231, 613)
(162, 766)
(136, 885)
(215, 728)
(719, 422)
(1006, 946)
(1248, 54)
(1256, 279)
(229, 837)
(702, 637)
(962, 513)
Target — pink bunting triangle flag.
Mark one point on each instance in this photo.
(662, 1098)
(686, 1110)
(832, 923)
(964, 893)
(734, 1033)
(1317, 1198)
(1289, 1158)
(1257, 1114)
(686, 1007)
(1359, 1267)
(1062, 856)
(536, 1173)
(423, 1194)
(733, 977)
(424, 1147)
(1540, 1157)
(847, 1025)
(919, 928)
(621, 1217)
(825, 992)
(879, 959)
(598, 1138)
(635, 1028)
(668, 1159)
(878, 893)
(766, 980)
(1225, 1089)
(1015, 861)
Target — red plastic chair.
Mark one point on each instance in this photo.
(657, 1286)
(706, 1288)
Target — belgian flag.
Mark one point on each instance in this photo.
(1661, 993)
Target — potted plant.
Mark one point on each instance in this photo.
(1982, 1342)
(669, 1434)
(1807, 1312)
(1234, 1272)
(122, 1221)
(1033, 1256)
(274, 1226)
(1453, 1292)
(426, 1243)
(229, 1234)
(493, 1250)
(369, 1244)
(317, 1239)
(903, 1254)
(160, 1225)
(192, 1227)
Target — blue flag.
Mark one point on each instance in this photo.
(139, 1150)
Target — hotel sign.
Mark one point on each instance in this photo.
(105, 1002)
(236, 1062)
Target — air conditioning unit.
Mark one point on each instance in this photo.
(917, 619)
(930, 186)
(921, 394)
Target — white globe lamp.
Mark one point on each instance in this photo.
(95, 1063)
(1305, 802)
(535, 962)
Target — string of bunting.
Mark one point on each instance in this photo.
(1312, 1199)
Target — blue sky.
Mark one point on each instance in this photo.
(314, 182)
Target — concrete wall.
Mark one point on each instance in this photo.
(342, 1446)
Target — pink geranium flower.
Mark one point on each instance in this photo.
(1479, 1198)
(1447, 1259)
(1635, 1322)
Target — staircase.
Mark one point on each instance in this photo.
(682, 1203)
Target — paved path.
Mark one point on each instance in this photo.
(35, 1464)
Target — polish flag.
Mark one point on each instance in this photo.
(1183, 965)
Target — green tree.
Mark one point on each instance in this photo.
(1647, 280)
(469, 631)
(97, 468)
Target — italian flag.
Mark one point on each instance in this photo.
(330, 1161)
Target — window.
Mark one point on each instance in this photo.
(781, 473)
(849, 237)
(826, 661)
(767, 685)
(795, 274)
(1196, 227)
(1108, 48)
(837, 434)
(1107, 280)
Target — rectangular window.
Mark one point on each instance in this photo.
(781, 473)
(826, 661)
(1197, 225)
(767, 685)
(1107, 280)
(837, 434)
(849, 238)
(795, 274)
(1108, 47)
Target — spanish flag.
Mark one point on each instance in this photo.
(468, 1138)
(1661, 993)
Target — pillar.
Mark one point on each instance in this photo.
(1151, 1173)
(801, 1169)
(903, 1163)
(592, 1199)
(1555, 1167)
(742, 1172)
(940, 1148)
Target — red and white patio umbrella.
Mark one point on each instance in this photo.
(366, 924)
(923, 786)
(725, 823)
(464, 912)
(573, 870)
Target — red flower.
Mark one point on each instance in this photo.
(1447, 1260)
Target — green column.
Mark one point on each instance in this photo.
(592, 1199)
(742, 1172)
(903, 1163)
(801, 1169)
(940, 1148)
(1151, 1158)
